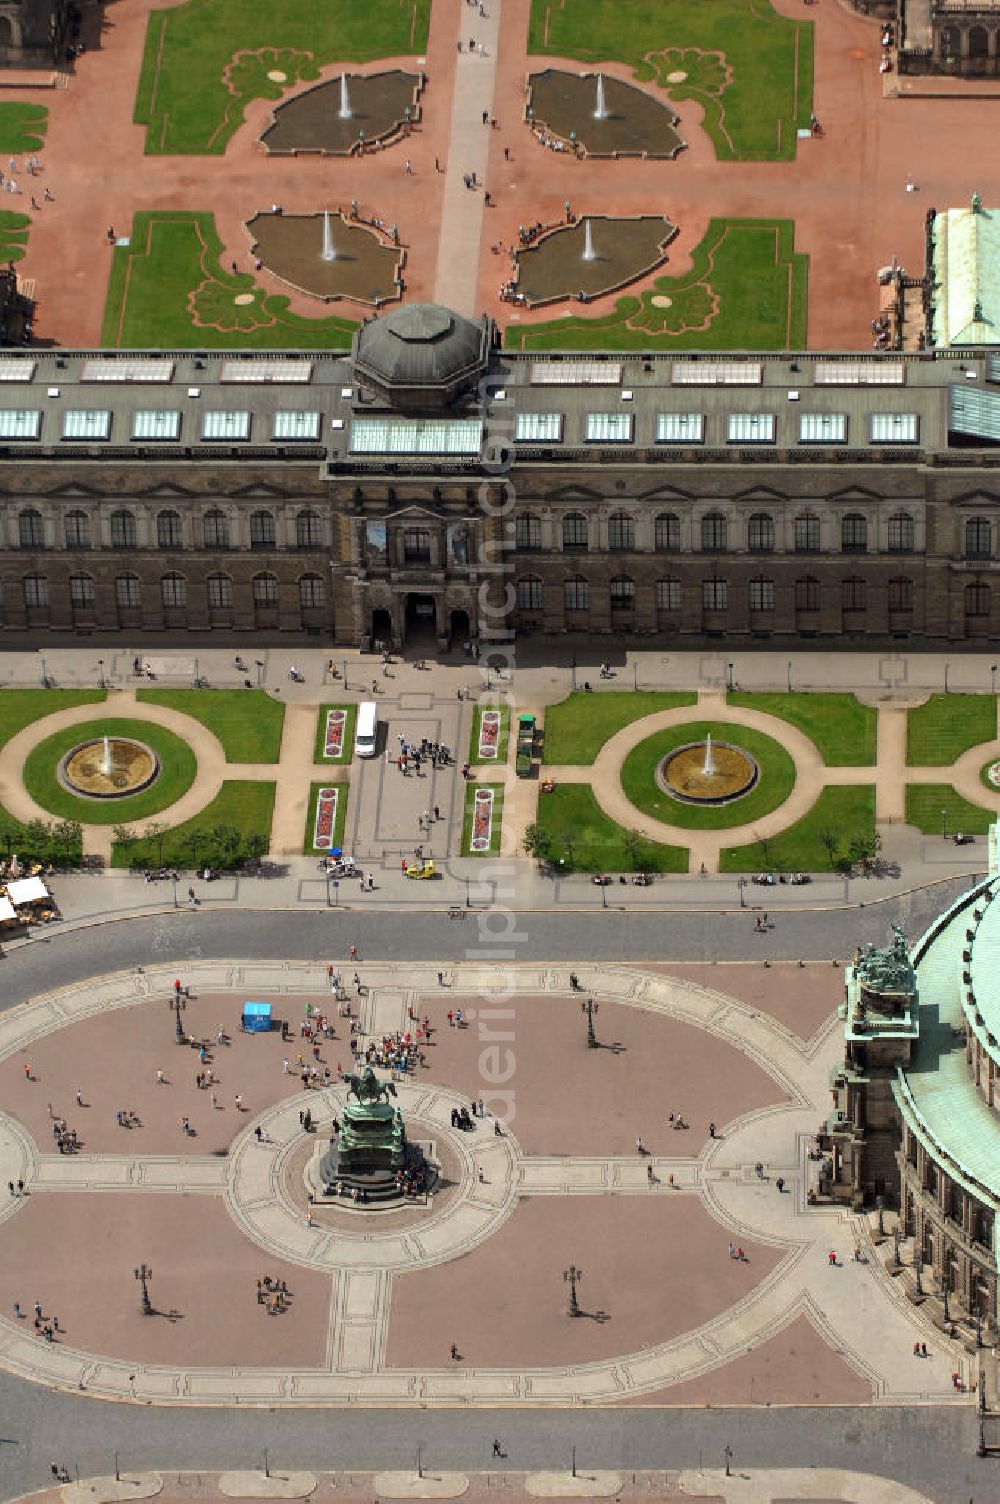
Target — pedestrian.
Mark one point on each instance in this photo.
(649, 1174)
(239, 1102)
(780, 1183)
(408, 167)
(10, 1187)
(506, 153)
(923, 1349)
(732, 1250)
(48, 196)
(79, 1097)
(437, 165)
(27, 1072)
(486, 117)
(161, 1079)
(437, 812)
(759, 1170)
(454, 1353)
(640, 1147)
(440, 978)
(18, 1313)
(497, 1448)
(353, 953)
(711, 1130)
(831, 1257)
(38, 1309)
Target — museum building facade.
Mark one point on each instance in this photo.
(429, 484)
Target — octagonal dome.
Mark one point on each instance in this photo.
(421, 356)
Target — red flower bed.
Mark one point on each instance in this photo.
(326, 812)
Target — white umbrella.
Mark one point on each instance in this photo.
(15, 866)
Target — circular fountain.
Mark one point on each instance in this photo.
(108, 767)
(707, 772)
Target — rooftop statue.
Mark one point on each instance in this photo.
(887, 968)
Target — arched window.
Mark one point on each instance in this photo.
(312, 592)
(128, 592)
(622, 593)
(901, 594)
(30, 528)
(854, 534)
(901, 533)
(261, 530)
(978, 538)
(265, 592)
(530, 593)
(714, 595)
(951, 41)
(762, 595)
(308, 530)
(216, 528)
(807, 533)
(575, 532)
(979, 41)
(168, 530)
(77, 529)
(527, 531)
(219, 588)
(854, 594)
(36, 591)
(123, 533)
(714, 533)
(807, 593)
(621, 533)
(760, 533)
(81, 592)
(977, 599)
(576, 593)
(668, 594)
(173, 592)
(668, 532)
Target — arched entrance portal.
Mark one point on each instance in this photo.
(381, 628)
(461, 629)
(421, 622)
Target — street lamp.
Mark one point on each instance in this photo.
(789, 676)
(944, 825)
(173, 879)
(918, 1265)
(946, 668)
(727, 1453)
(729, 676)
(100, 682)
(993, 678)
(604, 896)
(742, 884)
(259, 665)
(43, 677)
(328, 903)
(590, 1008)
(572, 1277)
(143, 1274)
(178, 1004)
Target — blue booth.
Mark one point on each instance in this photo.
(256, 1018)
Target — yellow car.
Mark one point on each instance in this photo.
(421, 869)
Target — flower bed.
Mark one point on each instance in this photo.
(489, 733)
(482, 820)
(333, 741)
(993, 774)
(326, 818)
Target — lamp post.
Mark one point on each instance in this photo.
(328, 903)
(590, 1008)
(43, 677)
(729, 676)
(946, 1313)
(100, 680)
(742, 883)
(604, 895)
(944, 825)
(259, 666)
(946, 668)
(895, 1246)
(572, 1276)
(178, 1004)
(173, 879)
(918, 1265)
(144, 1274)
(880, 1205)
(727, 1453)
(993, 678)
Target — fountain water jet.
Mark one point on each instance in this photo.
(106, 758)
(344, 113)
(708, 766)
(600, 103)
(329, 252)
(589, 254)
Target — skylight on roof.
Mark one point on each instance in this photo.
(716, 373)
(576, 373)
(156, 424)
(20, 423)
(225, 425)
(265, 371)
(127, 370)
(86, 423)
(416, 436)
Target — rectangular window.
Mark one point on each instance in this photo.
(220, 592)
(680, 428)
(529, 595)
(622, 594)
(761, 595)
(822, 428)
(86, 423)
(223, 425)
(577, 595)
(807, 595)
(312, 592)
(668, 595)
(173, 591)
(807, 535)
(262, 534)
(128, 592)
(527, 532)
(539, 428)
(894, 428)
(417, 545)
(608, 428)
(20, 423)
(81, 592)
(265, 591)
(36, 591)
(156, 424)
(296, 426)
(714, 595)
(750, 428)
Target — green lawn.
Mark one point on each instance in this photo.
(351, 716)
(577, 728)
(843, 729)
(925, 801)
(587, 841)
(22, 129)
(747, 289)
(206, 60)
(177, 771)
(846, 812)
(233, 826)
(477, 716)
(174, 261)
(338, 822)
(247, 721)
(19, 707)
(13, 233)
(948, 725)
(495, 832)
(777, 777)
(751, 69)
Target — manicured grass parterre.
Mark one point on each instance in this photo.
(13, 235)
(22, 127)
(847, 813)
(20, 707)
(233, 827)
(946, 726)
(173, 263)
(350, 718)
(204, 61)
(925, 801)
(747, 289)
(844, 730)
(577, 728)
(338, 824)
(496, 829)
(246, 721)
(477, 719)
(777, 777)
(177, 772)
(587, 841)
(751, 69)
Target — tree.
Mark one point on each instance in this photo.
(67, 837)
(191, 842)
(829, 840)
(125, 838)
(155, 832)
(765, 851)
(537, 842)
(637, 849)
(256, 845)
(865, 846)
(227, 839)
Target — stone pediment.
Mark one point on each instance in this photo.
(859, 494)
(980, 500)
(576, 493)
(764, 494)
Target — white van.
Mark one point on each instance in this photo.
(366, 734)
